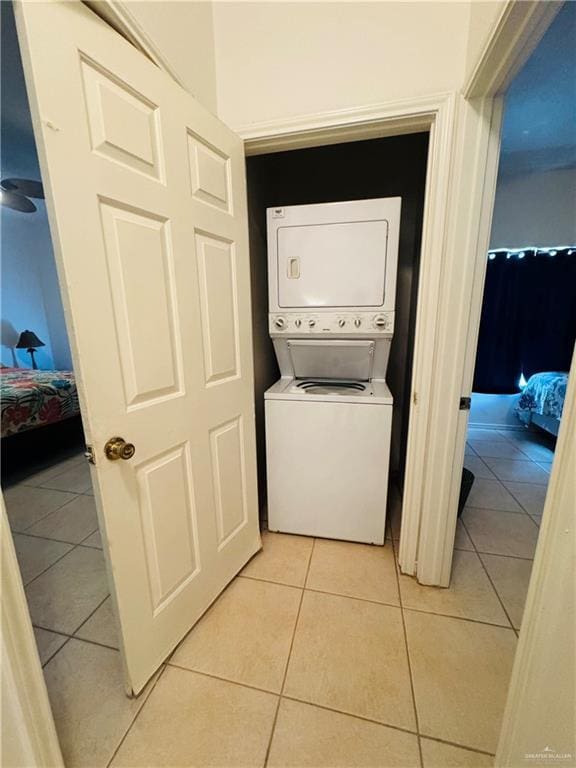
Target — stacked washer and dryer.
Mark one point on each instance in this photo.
(332, 287)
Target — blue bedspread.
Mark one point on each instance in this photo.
(543, 394)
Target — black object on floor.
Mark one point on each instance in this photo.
(465, 488)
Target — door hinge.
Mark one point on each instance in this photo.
(90, 455)
(465, 403)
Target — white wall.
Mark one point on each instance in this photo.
(535, 209)
(483, 18)
(30, 291)
(494, 411)
(184, 33)
(281, 59)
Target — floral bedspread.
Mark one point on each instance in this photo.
(544, 394)
(32, 399)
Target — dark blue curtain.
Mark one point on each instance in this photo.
(528, 322)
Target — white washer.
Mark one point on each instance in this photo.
(328, 446)
(332, 282)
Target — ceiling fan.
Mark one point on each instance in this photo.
(16, 194)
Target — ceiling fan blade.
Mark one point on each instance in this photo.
(28, 187)
(16, 201)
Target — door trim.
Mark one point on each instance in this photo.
(516, 32)
(438, 115)
(119, 16)
(27, 715)
(543, 673)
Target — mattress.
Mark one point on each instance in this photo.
(31, 399)
(543, 395)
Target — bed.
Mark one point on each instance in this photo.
(542, 401)
(31, 399)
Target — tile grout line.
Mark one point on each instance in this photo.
(491, 476)
(523, 507)
(78, 460)
(493, 509)
(86, 492)
(137, 714)
(396, 572)
(275, 720)
(72, 548)
(61, 541)
(500, 511)
(213, 676)
(28, 583)
(56, 509)
(460, 746)
(524, 482)
(290, 697)
(100, 604)
(392, 605)
(73, 636)
(492, 583)
(319, 591)
(57, 651)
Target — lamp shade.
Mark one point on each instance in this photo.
(29, 340)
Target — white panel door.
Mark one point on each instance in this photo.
(146, 192)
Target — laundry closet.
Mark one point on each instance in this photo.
(298, 183)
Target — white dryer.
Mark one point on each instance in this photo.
(332, 283)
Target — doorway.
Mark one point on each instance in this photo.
(385, 167)
(528, 321)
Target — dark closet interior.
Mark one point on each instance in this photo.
(387, 167)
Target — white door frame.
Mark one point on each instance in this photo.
(28, 732)
(461, 141)
(542, 693)
(436, 114)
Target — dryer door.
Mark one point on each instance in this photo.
(332, 264)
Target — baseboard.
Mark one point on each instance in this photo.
(501, 427)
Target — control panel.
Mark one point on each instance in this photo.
(332, 323)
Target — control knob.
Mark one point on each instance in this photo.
(280, 323)
(298, 322)
(311, 322)
(357, 322)
(380, 321)
(342, 322)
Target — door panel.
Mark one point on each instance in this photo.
(209, 174)
(146, 193)
(123, 123)
(172, 551)
(218, 300)
(229, 480)
(141, 271)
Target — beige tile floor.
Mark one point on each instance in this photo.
(318, 654)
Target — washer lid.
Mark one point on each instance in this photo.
(332, 359)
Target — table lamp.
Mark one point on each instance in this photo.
(29, 341)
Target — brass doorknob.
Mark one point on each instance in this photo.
(117, 448)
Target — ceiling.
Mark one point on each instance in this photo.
(539, 129)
